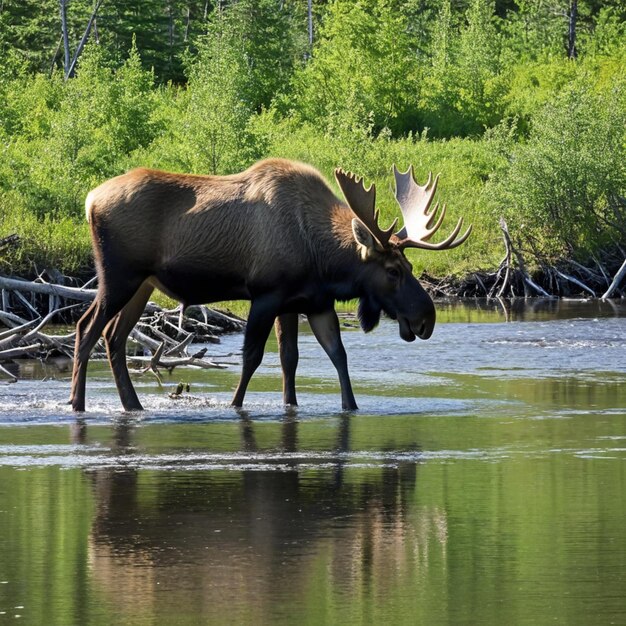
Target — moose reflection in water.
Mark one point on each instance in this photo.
(276, 235)
(215, 541)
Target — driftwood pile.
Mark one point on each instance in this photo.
(163, 337)
(512, 279)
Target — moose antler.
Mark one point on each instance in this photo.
(362, 201)
(420, 224)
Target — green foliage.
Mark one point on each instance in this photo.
(269, 43)
(163, 29)
(609, 33)
(31, 31)
(464, 88)
(480, 90)
(207, 123)
(564, 187)
(535, 31)
(479, 85)
(52, 242)
(65, 139)
(362, 69)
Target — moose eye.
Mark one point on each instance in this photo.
(393, 274)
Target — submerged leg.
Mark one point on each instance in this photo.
(286, 328)
(82, 326)
(325, 327)
(89, 329)
(115, 337)
(260, 321)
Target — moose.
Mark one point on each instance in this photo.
(276, 235)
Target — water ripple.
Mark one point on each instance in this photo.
(93, 458)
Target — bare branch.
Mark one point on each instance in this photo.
(65, 35)
(69, 71)
(75, 293)
(616, 281)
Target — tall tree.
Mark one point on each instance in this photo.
(69, 66)
(271, 44)
(571, 31)
(363, 68)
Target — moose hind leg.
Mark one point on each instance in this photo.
(88, 331)
(82, 326)
(115, 337)
(286, 328)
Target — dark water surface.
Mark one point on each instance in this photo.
(483, 481)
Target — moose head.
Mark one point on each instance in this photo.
(395, 290)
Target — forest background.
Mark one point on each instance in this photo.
(520, 104)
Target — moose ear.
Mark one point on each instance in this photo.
(367, 242)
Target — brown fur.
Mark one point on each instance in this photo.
(272, 219)
(274, 234)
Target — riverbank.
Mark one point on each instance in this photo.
(28, 306)
(163, 336)
(513, 279)
(57, 297)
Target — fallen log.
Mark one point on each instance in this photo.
(181, 348)
(575, 281)
(72, 293)
(17, 330)
(5, 372)
(11, 320)
(616, 281)
(527, 281)
(166, 334)
(170, 363)
(21, 352)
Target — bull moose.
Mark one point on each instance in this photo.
(274, 234)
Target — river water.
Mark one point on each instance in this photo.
(482, 481)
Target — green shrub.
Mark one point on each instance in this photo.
(362, 70)
(60, 243)
(206, 123)
(518, 130)
(563, 188)
(63, 138)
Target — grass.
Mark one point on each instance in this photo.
(240, 308)
(61, 244)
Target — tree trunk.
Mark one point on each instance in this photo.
(187, 24)
(571, 38)
(70, 72)
(66, 39)
(616, 281)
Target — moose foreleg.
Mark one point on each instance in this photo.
(260, 321)
(286, 328)
(325, 327)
